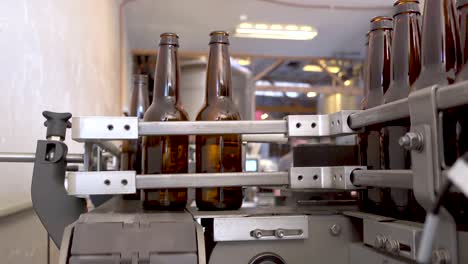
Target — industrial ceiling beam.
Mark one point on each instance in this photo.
(268, 69)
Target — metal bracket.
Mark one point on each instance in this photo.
(104, 128)
(261, 228)
(426, 164)
(323, 177)
(101, 182)
(335, 124)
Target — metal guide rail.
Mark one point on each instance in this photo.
(328, 178)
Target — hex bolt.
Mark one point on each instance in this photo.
(257, 233)
(379, 241)
(392, 246)
(279, 233)
(335, 229)
(412, 141)
(440, 256)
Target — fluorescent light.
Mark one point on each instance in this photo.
(275, 31)
(311, 94)
(312, 68)
(243, 62)
(292, 94)
(347, 83)
(333, 69)
(264, 116)
(269, 93)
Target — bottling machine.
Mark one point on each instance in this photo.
(120, 231)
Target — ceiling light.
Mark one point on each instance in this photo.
(347, 83)
(333, 69)
(243, 62)
(245, 25)
(312, 68)
(292, 94)
(243, 17)
(275, 31)
(264, 116)
(311, 94)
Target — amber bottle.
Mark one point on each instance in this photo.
(130, 158)
(440, 62)
(378, 81)
(165, 154)
(218, 153)
(406, 66)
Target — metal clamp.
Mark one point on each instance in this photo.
(323, 177)
(92, 128)
(335, 124)
(100, 182)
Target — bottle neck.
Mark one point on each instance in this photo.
(406, 51)
(440, 40)
(139, 99)
(166, 83)
(379, 65)
(218, 78)
(463, 11)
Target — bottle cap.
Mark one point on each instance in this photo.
(169, 39)
(406, 6)
(219, 37)
(381, 22)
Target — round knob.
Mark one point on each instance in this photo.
(380, 241)
(57, 124)
(257, 233)
(392, 246)
(279, 233)
(411, 141)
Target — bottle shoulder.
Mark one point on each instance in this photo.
(221, 109)
(165, 111)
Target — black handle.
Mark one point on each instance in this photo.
(57, 123)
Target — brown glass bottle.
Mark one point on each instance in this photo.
(462, 6)
(219, 153)
(378, 81)
(406, 66)
(130, 158)
(440, 61)
(165, 154)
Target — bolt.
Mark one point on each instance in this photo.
(440, 256)
(379, 241)
(335, 229)
(279, 233)
(411, 141)
(257, 233)
(392, 246)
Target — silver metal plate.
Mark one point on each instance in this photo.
(242, 228)
(102, 182)
(335, 124)
(322, 177)
(104, 128)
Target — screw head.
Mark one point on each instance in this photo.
(411, 141)
(257, 233)
(335, 229)
(440, 256)
(392, 246)
(279, 233)
(379, 241)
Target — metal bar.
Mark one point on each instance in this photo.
(265, 138)
(272, 67)
(210, 128)
(383, 178)
(384, 113)
(30, 157)
(109, 147)
(452, 95)
(224, 179)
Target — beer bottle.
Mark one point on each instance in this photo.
(130, 158)
(218, 153)
(378, 81)
(440, 62)
(165, 154)
(463, 75)
(406, 66)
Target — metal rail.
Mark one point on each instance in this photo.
(30, 157)
(383, 178)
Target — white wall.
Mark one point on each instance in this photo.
(59, 55)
